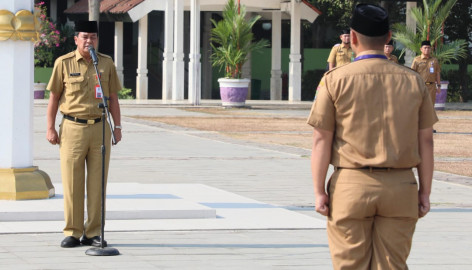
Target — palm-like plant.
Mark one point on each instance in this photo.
(429, 26)
(232, 40)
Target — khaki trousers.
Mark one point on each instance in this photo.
(432, 92)
(80, 148)
(372, 218)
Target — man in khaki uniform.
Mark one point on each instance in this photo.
(341, 54)
(76, 93)
(428, 67)
(388, 49)
(359, 117)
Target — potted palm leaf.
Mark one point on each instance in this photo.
(232, 42)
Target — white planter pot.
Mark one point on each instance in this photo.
(233, 92)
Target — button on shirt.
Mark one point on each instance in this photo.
(75, 80)
(422, 65)
(340, 55)
(375, 109)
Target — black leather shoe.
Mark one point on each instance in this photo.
(70, 242)
(94, 241)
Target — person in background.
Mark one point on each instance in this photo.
(388, 49)
(372, 200)
(341, 54)
(429, 69)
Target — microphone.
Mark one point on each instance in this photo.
(93, 54)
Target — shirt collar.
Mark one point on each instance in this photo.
(370, 52)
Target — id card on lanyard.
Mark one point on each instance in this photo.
(98, 89)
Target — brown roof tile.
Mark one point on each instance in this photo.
(106, 6)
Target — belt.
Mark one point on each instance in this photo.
(371, 169)
(83, 121)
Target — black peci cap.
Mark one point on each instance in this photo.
(425, 43)
(345, 32)
(390, 42)
(86, 26)
(370, 20)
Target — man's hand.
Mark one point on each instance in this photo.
(52, 136)
(322, 204)
(423, 205)
(118, 136)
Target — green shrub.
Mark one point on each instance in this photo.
(455, 93)
(310, 81)
(125, 93)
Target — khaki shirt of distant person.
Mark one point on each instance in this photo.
(375, 109)
(340, 55)
(75, 80)
(422, 65)
(393, 58)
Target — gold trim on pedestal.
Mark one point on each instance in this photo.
(25, 184)
(20, 26)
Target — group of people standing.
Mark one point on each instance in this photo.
(425, 64)
(372, 120)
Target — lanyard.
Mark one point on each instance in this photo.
(367, 56)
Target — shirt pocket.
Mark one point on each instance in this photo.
(74, 84)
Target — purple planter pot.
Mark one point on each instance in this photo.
(233, 92)
(39, 89)
(441, 98)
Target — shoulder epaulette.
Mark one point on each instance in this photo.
(104, 55)
(66, 56)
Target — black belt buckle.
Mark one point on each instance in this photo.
(82, 121)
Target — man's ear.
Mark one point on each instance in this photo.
(389, 36)
(354, 39)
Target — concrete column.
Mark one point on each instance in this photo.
(53, 10)
(411, 24)
(276, 72)
(19, 179)
(295, 66)
(69, 4)
(207, 70)
(168, 62)
(178, 72)
(194, 65)
(119, 50)
(142, 78)
(246, 69)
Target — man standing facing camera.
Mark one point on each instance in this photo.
(75, 91)
(428, 67)
(341, 54)
(373, 199)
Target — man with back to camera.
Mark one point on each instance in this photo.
(76, 93)
(341, 54)
(360, 115)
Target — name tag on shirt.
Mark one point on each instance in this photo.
(98, 92)
(74, 74)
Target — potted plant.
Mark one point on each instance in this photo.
(51, 43)
(429, 26)
(232, 43)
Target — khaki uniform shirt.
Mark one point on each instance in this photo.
(75, 80)
(340, 55)
(393, 58)
(423, 66)
(375, 109)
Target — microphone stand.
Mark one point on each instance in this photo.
(102, 250)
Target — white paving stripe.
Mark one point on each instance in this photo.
(140, 207)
